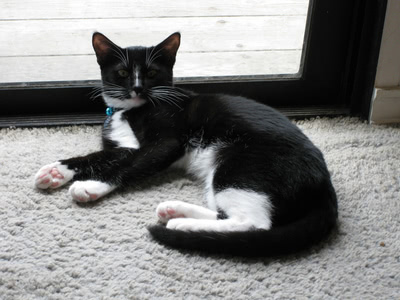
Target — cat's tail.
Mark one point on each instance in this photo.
(279, 240)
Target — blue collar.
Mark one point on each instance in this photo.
(109, 112)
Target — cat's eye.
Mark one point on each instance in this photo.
(151, 73)
(123, 73)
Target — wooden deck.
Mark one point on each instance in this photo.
(50, 40)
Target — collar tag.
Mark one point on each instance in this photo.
(109, 111)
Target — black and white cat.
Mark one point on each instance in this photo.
(267, 187)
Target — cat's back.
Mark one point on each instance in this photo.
(222, 113)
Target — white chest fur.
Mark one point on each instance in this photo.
(121, 133)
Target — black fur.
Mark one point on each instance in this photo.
(262, 151)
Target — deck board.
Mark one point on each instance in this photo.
(65, 37)
(92, 9)
(44, 40)
(84, 67)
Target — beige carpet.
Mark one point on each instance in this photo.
(52, 248)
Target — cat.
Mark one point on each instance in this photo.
(267, 187)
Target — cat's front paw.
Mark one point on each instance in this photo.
(89, 190)
(53, 176)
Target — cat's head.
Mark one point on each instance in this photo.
(134, 76)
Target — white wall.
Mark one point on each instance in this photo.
(386, 98)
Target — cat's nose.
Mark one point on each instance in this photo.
(138, 89)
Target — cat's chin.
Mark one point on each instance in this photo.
(136, 101)
(125, 104)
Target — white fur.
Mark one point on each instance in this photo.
(121, 132)
(177, 209)
(246, 206)
(198, 162)
(53, 176)
(136, 77)
(209, 189)
(209, 225)
(201, 163)
(246, 210)
(125, 104)
(89, 190)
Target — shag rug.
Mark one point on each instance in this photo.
(53, 248)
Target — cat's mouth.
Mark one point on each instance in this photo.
(133, 95)
(137, 98)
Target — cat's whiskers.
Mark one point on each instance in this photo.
(170, 88)
(110, 88)
(168, 95)
(96, 92)
(113, 90)
(171, 94)
(150, 98)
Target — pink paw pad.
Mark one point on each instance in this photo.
(52, 176)
(88, 197)
(81, 199)
(43, 175)
(56, 174)
(55, 184)
(93, 196)
(173, 214)
(171, 211)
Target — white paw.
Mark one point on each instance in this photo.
(53, 176)
(170, 210)
(184, 224)
(89, 190)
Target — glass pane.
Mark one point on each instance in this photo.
(50, 40)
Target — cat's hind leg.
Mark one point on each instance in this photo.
(177, 209)
(245, 210)
(53, 176)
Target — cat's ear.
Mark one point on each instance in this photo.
(171, 44)
(102, 46)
